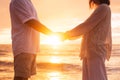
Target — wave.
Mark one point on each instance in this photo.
(59, 66)
(48, 66)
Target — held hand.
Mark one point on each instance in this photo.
(61, 35)
(71, 36)
(68, 35)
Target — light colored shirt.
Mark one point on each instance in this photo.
(96, 32)
(24, 38)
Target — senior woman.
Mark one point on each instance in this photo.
(96, 40)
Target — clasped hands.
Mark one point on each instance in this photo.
(62, 35)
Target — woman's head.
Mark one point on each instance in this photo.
(98, 2)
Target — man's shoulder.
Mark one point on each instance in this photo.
(21, 5)
(20, 2)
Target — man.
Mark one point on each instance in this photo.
(25, 37)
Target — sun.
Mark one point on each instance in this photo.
(55, 59)
(53, 40)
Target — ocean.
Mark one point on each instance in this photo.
(59, 62)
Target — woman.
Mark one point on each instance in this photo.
(96, 40)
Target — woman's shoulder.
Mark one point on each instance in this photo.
(103, 7)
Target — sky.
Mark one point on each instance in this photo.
(58, 15)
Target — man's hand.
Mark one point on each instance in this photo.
(61, 35)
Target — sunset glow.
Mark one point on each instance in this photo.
(58, 17)
(55, 59)
(53, 40)
(56, 52)
(54, 75)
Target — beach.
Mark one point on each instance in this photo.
(57, 63)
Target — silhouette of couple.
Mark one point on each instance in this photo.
(95, 32)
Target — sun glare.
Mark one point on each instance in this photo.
(53, 40)
(55, 59)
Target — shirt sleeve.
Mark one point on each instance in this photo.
(24, 11)
(83, 28)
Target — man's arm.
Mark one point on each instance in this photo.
(38, 27)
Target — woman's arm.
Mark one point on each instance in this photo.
(83, 28)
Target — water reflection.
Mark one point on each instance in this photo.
(54, 75)
(58, 75)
